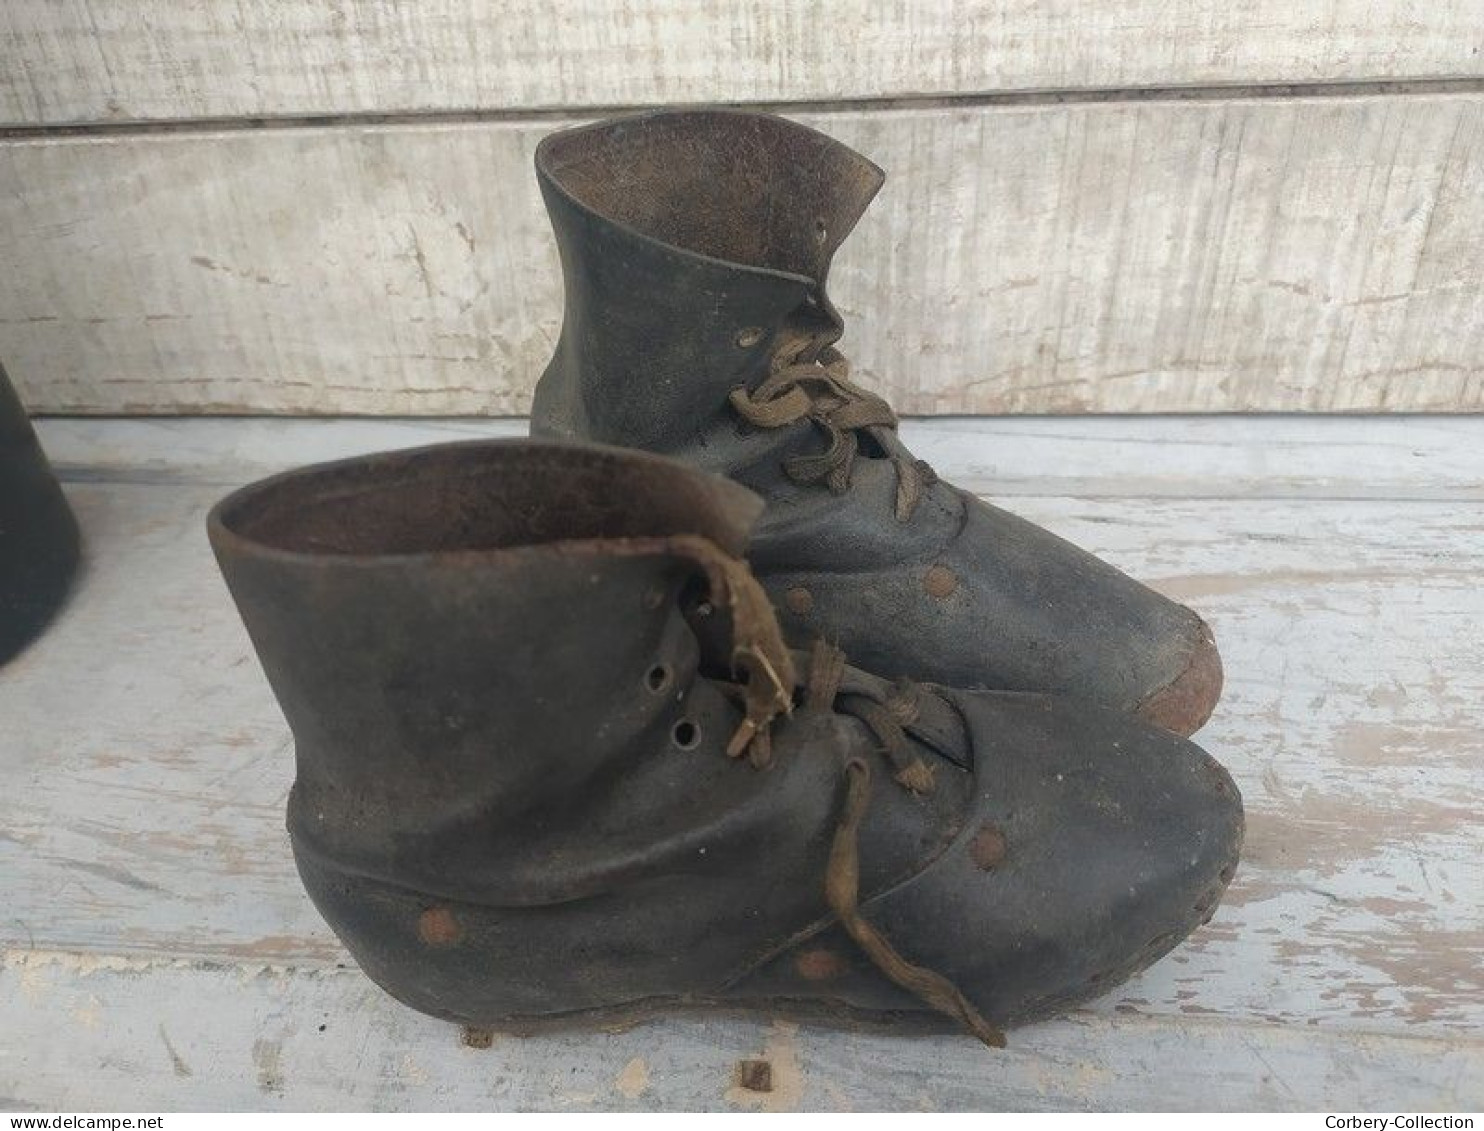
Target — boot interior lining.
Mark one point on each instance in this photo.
(751, 189)
(471, 497)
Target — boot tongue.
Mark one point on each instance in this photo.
(747, 188)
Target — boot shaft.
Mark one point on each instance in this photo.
(682, 269)
(448, 630)
(511, 750)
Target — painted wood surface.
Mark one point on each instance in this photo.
(1264, 254)
(154, 924)
(1157, 457)
(172, 1036)
(92, 60)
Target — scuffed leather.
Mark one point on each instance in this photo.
(485, 652)
(692, 244)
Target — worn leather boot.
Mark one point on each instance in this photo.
(38, 535)
(695, 247)
(554, 759)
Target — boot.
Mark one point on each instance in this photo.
(695, 247)
(554, 759)
(38, 535)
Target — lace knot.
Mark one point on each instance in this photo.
(810, 381)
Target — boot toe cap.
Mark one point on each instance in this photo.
(1185, 703)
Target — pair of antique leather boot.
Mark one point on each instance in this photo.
(583, 729)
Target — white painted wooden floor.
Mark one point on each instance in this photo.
(159, 954)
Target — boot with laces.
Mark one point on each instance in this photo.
(556, 760)
(695, 247)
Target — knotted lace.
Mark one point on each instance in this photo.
(810, 380)
(765, 664)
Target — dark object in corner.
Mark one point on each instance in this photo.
(38, 535)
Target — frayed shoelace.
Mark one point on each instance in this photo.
(842, 873)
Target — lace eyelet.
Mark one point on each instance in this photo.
(686, 734)
(657, 678)
(749, 336)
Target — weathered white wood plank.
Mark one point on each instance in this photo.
(87, 1034)
(1293, 457)
(1274, 255)
(147, 763)
(71, 60)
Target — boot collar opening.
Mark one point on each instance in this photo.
(483, 496)
(736, 186)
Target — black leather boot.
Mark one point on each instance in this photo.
(554, 759)
(695, 247)
(38, 535)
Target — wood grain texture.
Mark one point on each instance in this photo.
(1152, 457)
(176, 1036)
(1240, 255)
(90, 60)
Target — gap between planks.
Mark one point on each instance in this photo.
(1215, 92)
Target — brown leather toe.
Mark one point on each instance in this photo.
(1185, 703)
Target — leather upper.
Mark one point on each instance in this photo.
(661, 326)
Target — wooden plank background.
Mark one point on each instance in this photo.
(303, 208)
(87, 60)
